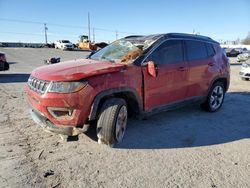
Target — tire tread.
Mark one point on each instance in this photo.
(107, 119)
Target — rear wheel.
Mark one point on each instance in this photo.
(112, 121)
(215, 98)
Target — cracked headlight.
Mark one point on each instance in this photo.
(66, 87)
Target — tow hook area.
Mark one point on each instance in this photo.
(47, 125)
(75, 132)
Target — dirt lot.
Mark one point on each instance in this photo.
(182, 148)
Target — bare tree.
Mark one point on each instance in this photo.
(247, 39)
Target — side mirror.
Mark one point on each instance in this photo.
(152, 69)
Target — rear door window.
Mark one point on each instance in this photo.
(195, 50)
(169, 52)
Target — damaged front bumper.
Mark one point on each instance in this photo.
(47, 125)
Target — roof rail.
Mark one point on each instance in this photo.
(188, 35)
(133, 36)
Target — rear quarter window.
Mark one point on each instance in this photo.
(210, 50)
(195, 50)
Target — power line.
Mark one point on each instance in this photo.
(18, 33)
(52, 35)
(21, 21)
(37, 34)
(63, 25)
(34, 22)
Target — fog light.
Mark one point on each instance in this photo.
(61, 113)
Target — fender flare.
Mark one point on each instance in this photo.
(216, 79)
(112, 92)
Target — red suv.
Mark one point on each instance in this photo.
(136, 75)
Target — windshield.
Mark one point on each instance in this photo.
(65, 41)
(123, 50)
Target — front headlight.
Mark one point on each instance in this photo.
(66, 87)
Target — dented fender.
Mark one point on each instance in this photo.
(111, 92)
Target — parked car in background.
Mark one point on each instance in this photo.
(2, 44)
(136, 75)
(245, 70)
(232, 52)
(3, 62)
(243, 57)
(64, 45)
(240, 50)
(48, 45)
(245, 50)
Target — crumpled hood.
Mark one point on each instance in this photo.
(75, 70)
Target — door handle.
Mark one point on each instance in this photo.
(182, 69)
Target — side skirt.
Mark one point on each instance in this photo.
(173, 106)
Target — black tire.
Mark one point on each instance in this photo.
(6, 66)
(214, 100)
(107, 123)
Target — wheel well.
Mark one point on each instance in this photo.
(224, 81)
(129, 97)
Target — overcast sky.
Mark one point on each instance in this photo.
(219, 19)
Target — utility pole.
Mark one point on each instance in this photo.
(116, 35)
(93, 34)
(89, 25)
(45, 32)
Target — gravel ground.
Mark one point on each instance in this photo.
(181, 148)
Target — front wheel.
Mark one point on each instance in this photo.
(215, 98)
(112, 121)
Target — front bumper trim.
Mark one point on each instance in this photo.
(49, 126)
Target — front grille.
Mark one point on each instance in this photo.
(39, 86)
